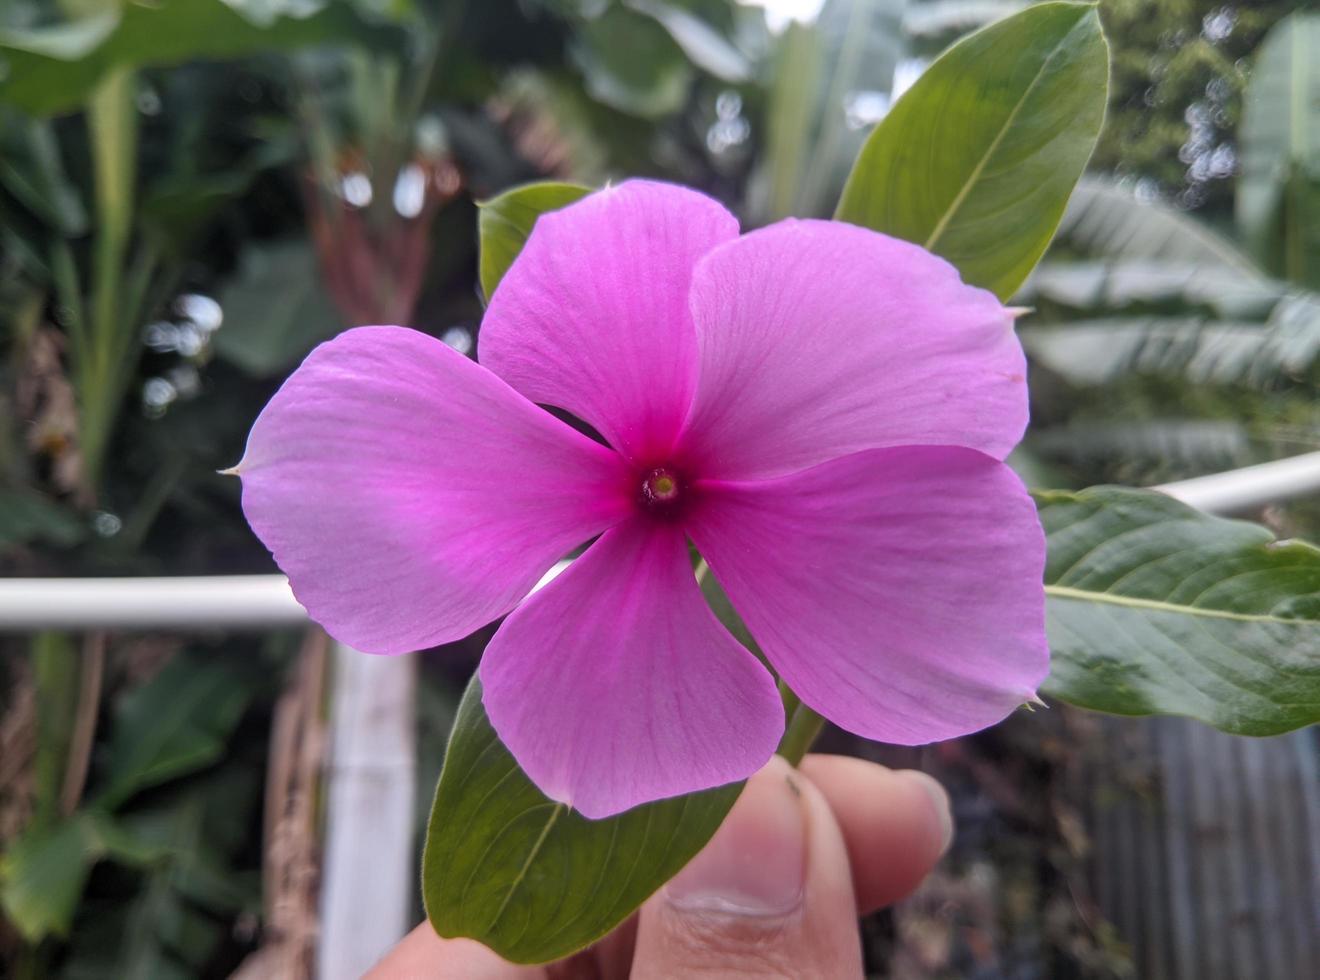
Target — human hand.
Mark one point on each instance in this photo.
(776, 892)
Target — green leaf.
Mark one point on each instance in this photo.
(186, 846)
(1156, 608)
(175, 211)
(1278, 194)
(934, 19)
(175, 724)
(30, 516)
(43, 873)
(505, 222)
(705, 47)
(859, 45)
(792, 115)
(633, 64)
(1162, 444)
(722, 606)
(529, 877)
(32, 171)
(177, 207)
(54, 69)
(42, 877)
(276, 308)
(976, 161)
(1108, 219)
(1262, 356)
(1093, 286)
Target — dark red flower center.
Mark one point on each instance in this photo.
(662, 491)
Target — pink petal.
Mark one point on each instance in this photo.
(410, 495)
(819, 338)
(615, 684)
(897, 591)
(593, 316)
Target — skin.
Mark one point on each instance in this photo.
(776, 893)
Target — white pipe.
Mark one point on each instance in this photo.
(193, 602)
(185, 603)
(258, 602)
(1251, 486)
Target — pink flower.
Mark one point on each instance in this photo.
(821, 410)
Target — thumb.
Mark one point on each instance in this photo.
(770, 895)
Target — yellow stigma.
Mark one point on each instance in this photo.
(661, 491)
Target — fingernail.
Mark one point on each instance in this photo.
(755, 863)
(939, 801)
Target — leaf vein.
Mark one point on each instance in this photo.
(1082, 595)
(991, 150)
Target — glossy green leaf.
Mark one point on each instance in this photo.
(1278, 194)
(530, 878)
(504, 223)
(276, 308)
(1156, 608)
(54, 69)
(976, 161)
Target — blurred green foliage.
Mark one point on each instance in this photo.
(1180, 68)
(1278, 201)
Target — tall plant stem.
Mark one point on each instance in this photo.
(84, 722)
(804, 725)
(112, 122)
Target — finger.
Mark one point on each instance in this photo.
(769, 896)
(896, 824)
(608, 959)
(422, 955)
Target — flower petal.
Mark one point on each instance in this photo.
(616, 685)
(897, 591)
(819, 339)
(592, 317)
(410, 495)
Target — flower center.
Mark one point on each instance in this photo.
(661, 491)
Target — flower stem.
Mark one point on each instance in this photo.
(803, 723)
(803, 727)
